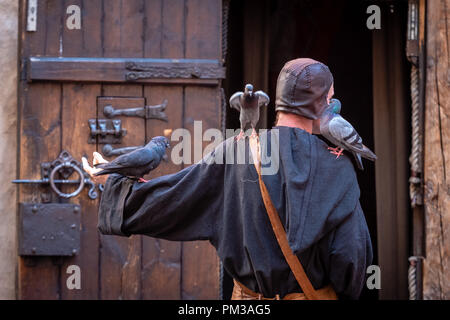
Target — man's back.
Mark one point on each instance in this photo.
(314, 194)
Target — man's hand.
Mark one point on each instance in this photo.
(92, 170)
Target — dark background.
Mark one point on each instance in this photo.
(333, 32)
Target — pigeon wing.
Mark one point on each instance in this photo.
(138, 158)
(325, 127)
(263, 98)
(342, 131)
(235, 100)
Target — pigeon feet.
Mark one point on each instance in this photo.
(239, 136)
(142, 180)
(254, 134)
(336, 151)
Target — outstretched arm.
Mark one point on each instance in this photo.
(181, 206)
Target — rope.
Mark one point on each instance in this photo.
(224, 111)
(415, 190)
(412, 283)
(225, 11)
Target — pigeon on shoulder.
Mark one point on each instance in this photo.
(248, 104)
(341, 133)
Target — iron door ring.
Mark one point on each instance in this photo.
(53, 185)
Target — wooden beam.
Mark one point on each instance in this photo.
(436, 280)
(172, 71)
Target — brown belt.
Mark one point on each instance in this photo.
(241, 292)
(292, 260)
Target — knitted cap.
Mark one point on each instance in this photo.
(302, 88)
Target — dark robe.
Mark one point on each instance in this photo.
(315, 194)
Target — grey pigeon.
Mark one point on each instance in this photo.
(139, 162)
(341, 133)
(248, 104)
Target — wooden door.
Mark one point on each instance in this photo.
(122, 52)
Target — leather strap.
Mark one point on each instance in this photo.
(241, 292)
(278, 229)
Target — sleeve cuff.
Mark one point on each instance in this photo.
(112, 204)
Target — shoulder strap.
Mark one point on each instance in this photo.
(278, 229)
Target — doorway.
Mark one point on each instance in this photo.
(263, 35)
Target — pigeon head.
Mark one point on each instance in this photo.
(161, 142)
(248, 88)
(335, 106)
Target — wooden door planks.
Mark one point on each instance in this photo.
(120, 265)
(78, 106)
(39, 141)
(203, 29)
(161, 259)
(200, 280)
(120, 258)
(203, 40)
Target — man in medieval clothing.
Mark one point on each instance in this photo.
(315, 195)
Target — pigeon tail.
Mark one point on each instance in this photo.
(358, 161)
(367, 153)
(103, 172)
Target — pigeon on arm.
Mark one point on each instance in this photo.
(139, 162)
(248, 104)
(341, 133)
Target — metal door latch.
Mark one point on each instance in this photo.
(109, 151)
(64, 165)
(146, 112)
(106, 130)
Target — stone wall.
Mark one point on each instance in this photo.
(8, 146)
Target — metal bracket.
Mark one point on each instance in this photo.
(146, 112)
(106, 130)
(32, 15)
(189, 69)
(412, 40)
(64, 165)
(109, 151)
